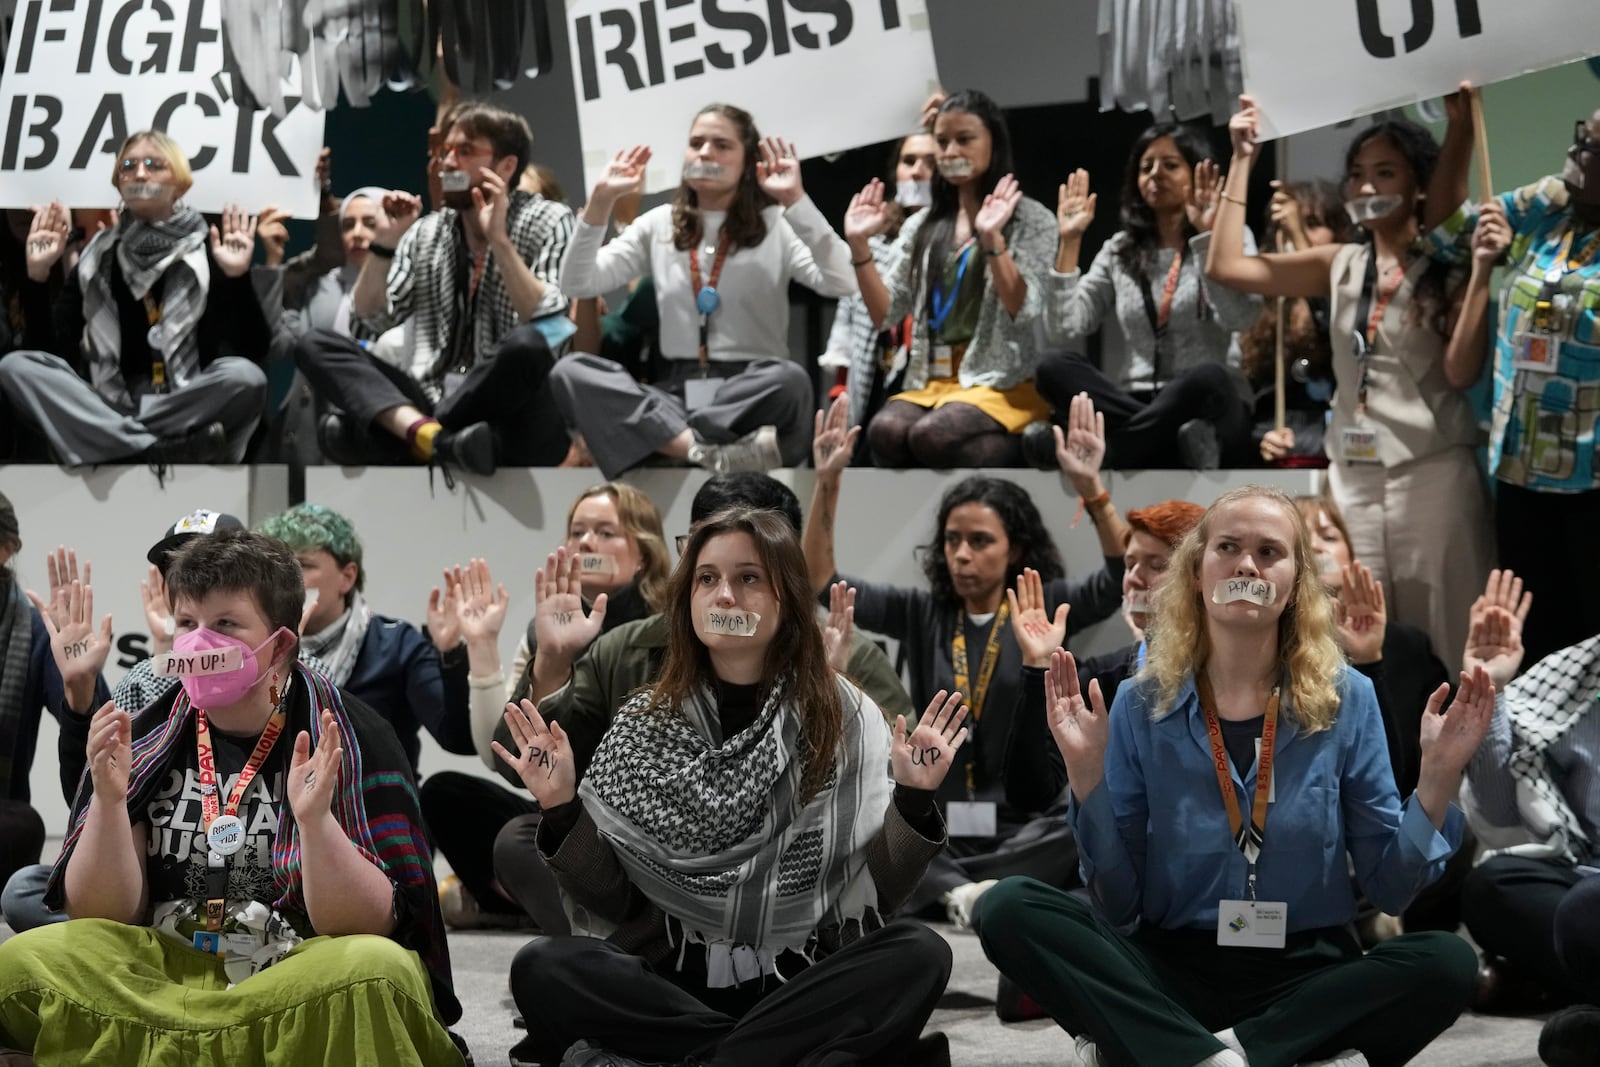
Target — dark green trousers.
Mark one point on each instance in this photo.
(1154, 999)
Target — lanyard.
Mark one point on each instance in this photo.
(1160, 316)
(940, 303)
(991, 657)
(228, 815)
(706, 297)
(1369, 317)
(1248, 838)
(154, 339)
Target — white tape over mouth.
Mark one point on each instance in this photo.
(1371, 208)
(596, 564)
(702, 169)
(913, 194)
(1327, 566)
(144, 191)
(454, 181)
(956, 168)
(198, 664)
(730, 623)
(1137, 600)
(1255, 590)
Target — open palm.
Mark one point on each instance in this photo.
(1080, 727)
(867, 215)
(559, 622)
(922, 757)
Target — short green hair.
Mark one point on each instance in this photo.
(309, 527)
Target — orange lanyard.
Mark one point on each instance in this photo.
(224, 817)
(1164, 315)
(1385, 298)
(1247, 838)
(706, 297)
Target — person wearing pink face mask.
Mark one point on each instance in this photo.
(246, 867)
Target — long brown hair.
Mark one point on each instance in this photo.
(641, 520)
(795, 654)
(744, 225)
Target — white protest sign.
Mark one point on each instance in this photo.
(1312, 63)
(827, 75)
(81, 75)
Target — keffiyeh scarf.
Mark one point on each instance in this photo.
(16, 648)
(339, 645)
(713, 831)
(145, 253)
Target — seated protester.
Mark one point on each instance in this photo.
(411, 680)
(739, 838)
(580, 676)
(739, 229)
(1180, 393)
(1535, 801)
(615, 544)
(1304, 215)
(153, 348)
(956, 635)
(310, 893)
(1242, 651)
(969, 271)
(20, 224)
(470, 280)
(871, 362)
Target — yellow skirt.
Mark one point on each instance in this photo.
(1012, 408)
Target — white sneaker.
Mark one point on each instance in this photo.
(756, 451)
(1088, 1055)
(1347, 1058)
(960, 901)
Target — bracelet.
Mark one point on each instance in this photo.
(1103, 498)
(996, 252)
(861, 262)
(381, 251)
(1235, 200)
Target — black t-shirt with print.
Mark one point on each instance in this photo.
(177, 851)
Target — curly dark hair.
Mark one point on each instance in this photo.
(1138, 219)
(744, 225)
(1024, 527)
(931, 246)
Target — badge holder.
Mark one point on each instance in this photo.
(970, 817)
(1538, 348)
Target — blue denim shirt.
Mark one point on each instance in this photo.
(1154, 837)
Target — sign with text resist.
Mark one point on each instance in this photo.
(81, 75)
(1313, 63)
(827, 75)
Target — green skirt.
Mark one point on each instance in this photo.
(96, 991)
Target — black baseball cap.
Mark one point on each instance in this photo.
(202, 521)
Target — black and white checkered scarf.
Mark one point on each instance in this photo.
(146, 252)
(713, 832)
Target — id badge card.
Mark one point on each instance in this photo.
(1252, 923)
(1537, 350)
(1357, 444)
(970, 818)
(207, 942)
(699, 393)
(942, 364)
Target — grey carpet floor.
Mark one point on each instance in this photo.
(482, 961)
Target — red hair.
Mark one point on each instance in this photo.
(1169, 521)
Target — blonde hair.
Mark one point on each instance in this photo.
(639, 517)
(163, 146)
(1308, 648)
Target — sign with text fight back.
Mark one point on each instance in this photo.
(827, 75)
(1313, 63)
(81, 75)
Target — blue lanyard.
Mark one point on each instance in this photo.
(943, 305)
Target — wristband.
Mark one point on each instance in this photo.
(381, 251)
(861, 262)
(1234, 200)
(996, 252)
(1103, 498)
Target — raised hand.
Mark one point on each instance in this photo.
(1037, 634)
(323, 176)
(1081, 448)
(1494, 632)
(1275, 444)
(833, 440)
(1450, 739)
(996, 211)
(1244, 129)
(482, 607)
(444, 611)
(47, 239)
(559, 623)
(313, 776)
(1458, 105)
(1363, 618)
(110, 753)
(80, 651)
(544, 756)
(61, 569)
(1075, 206)
(930, 108)
(1080, 727)
(232, 247)
(922, 757)
(490, 201)
(841, 625)
(623, 176)
(778, 171)
(866, 216)
(157, 611)
(400, 210)
(1491, 239)
(273, 234)
(1205, 195)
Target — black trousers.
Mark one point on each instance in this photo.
(508, 387)
(1142, 432)
(464, 813)
(1158, 996)
(526, 877)
(21, 837)
(1042, 848)
(1520, 909)
(1540, 534)
(865, 1004)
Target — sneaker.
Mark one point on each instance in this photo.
(203, 444)
(341, 440)
(1197, 445)
(463, 912)
(1088, 1055)
(583, 1054)
(471, 448)
(756, 451)
(1039, 445)
(1571, 1037)
(1012, 1005)
(960, 902)
(1347, 1058)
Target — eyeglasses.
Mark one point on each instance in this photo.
(152, 164)
(1581, 139)
(463, 151)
